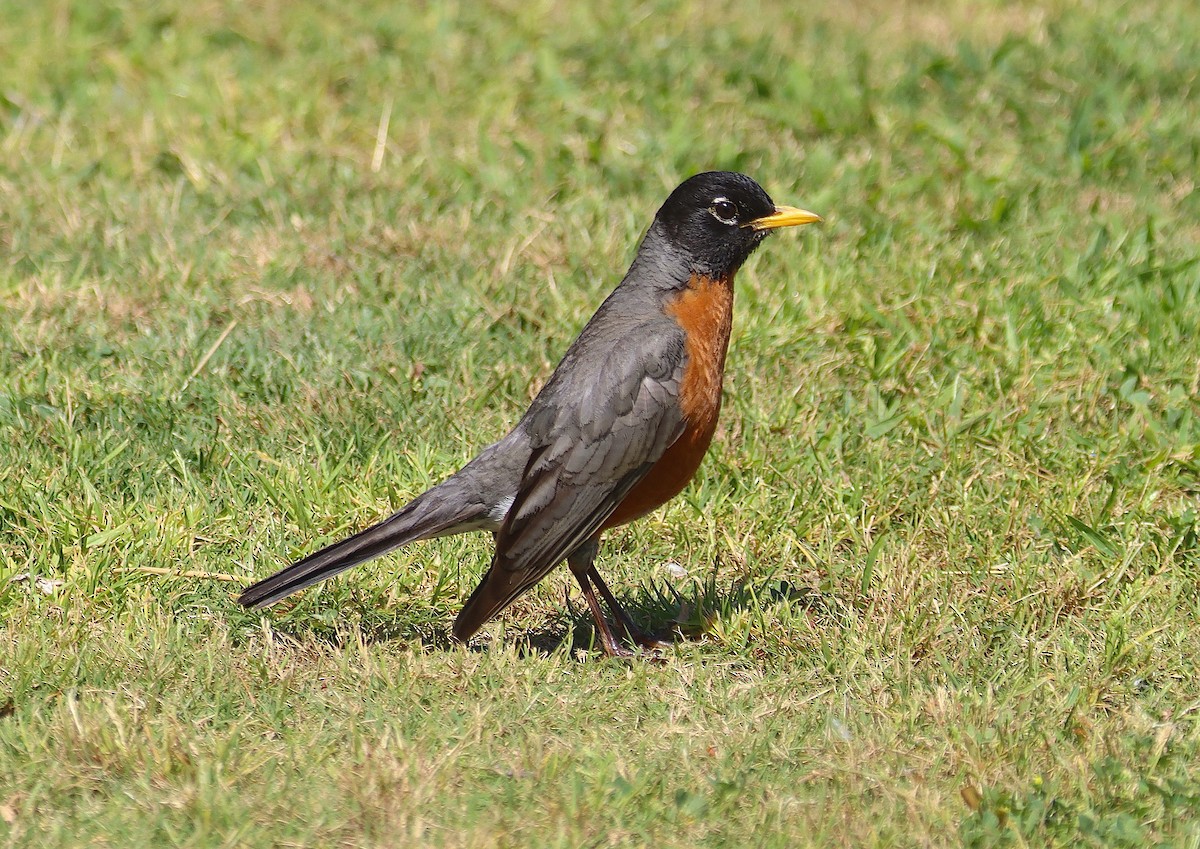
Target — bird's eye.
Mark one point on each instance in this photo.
(724, 210)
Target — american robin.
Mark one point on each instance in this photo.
(618, 429)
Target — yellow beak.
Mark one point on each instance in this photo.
(783, 216)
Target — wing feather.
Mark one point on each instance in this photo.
(593, 439)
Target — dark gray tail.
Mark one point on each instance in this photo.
(418, 520)
(475, 498)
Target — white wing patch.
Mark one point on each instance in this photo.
(500, 509)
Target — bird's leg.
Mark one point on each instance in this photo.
(608, 641)
(582, 566)
(624, 621)
(580, 561)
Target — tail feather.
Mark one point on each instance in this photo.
(474, 498)
(410, 524)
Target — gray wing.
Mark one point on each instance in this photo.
(595, 431)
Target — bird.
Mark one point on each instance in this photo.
(618, 429)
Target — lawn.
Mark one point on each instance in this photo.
(268, 270)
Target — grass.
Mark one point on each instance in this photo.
(268, 270)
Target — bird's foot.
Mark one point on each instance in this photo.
(640, 638)
(648, 645)
(609, 643)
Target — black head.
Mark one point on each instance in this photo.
(718, 218)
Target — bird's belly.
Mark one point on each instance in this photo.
(667, 477)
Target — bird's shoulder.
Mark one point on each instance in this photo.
(627, 357)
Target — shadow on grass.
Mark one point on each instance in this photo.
(667, 613)
(672, 615)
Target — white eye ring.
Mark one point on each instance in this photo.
(724, 210)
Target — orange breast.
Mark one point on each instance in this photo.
(705, 312)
